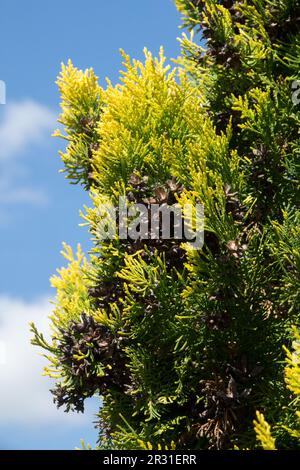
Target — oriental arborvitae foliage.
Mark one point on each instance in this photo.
(292, 380)
(185, 345)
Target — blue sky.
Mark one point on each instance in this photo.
(38, 208)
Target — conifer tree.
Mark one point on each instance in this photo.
(184, 345)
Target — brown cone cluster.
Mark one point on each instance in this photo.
(94, 359)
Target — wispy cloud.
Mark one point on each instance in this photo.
(25, 397)
(24, 125)
(35, 196)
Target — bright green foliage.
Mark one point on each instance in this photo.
(292, 371)
(292, 379)
(263, 432)
(185, 345)
(81, 108)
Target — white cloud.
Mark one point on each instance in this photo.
(24, 123)
(25, 397)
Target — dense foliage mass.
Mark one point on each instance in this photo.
(184, 346)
